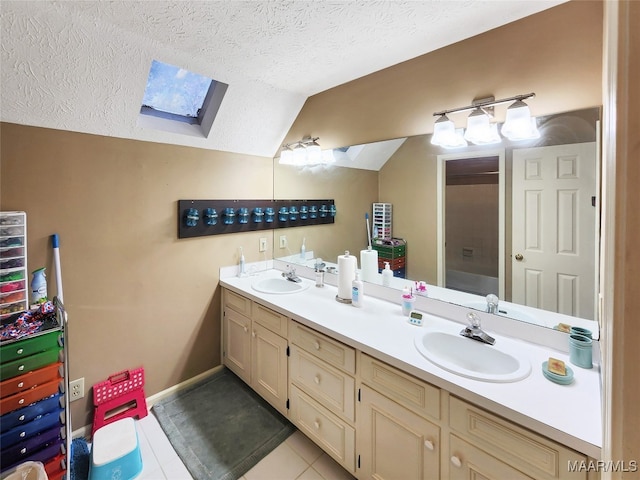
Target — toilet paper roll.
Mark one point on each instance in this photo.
(347, 265)
(369, 265)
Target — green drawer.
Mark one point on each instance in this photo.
(27, 364)
(390, 252)
(29, 346)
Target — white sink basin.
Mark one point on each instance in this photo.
(279, 285)
(505, 311)
(471, 358)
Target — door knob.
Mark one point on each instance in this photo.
(519, 257)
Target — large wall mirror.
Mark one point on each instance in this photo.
(516, 219)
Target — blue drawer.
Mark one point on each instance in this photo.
(39, 424)
(43, 455)
(28, 413)
(22, 450)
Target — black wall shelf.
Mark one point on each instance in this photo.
(197, 218)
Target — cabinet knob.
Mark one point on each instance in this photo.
(21, 401)
(317, 424)
(316, 344)
(253, 334)
(21, 384)
(456, 461)
(317, 379)
(20, 351)
(429, 445)
(245, 328)
(21, 368)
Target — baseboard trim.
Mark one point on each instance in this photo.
(85, 431)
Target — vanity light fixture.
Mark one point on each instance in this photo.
(303, 152)
(519, 124)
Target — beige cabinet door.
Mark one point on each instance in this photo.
(468, 462)
(269, 366)
(394, 443)
(236, 344)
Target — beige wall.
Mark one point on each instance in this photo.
(557, 54)
(135, 293)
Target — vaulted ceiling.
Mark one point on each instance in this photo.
(82, 65)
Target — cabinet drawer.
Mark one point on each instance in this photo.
(29, 346)
(331, 351)
(332, 434)
(331, 387)
(408, 391)
(237, 302)
(269, 319)
(468, 461)
(18, 452)
(31, 379)
(27, 364)
(27, 397)
(528, 452)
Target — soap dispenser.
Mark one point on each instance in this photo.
(356, 291)
(303, 250)
(387, 275)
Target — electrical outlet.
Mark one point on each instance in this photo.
(76, 389)
(283, 241)
(263, 244)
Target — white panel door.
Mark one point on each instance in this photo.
(554, 228)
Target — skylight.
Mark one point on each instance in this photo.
(174, 94)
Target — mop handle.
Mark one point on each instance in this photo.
(56, 259)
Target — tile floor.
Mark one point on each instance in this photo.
(297, 458)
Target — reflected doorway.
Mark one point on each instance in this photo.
(471, 222)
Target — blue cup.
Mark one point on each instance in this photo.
(581, 331)
(580, 350)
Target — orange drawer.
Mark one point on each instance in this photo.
(394, 264)
(31, 379)
(27, 397)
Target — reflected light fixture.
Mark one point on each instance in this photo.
(519, 124)
(303, 152)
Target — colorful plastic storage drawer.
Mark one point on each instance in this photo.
(27, 364)
(22, 450)
(390, 252)
(30, 346)
(26, 414)
(31, 379)
(27, 397)
(45, 422)
(44, 455)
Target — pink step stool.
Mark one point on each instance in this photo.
(118, 397)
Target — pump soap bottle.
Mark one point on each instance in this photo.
(387, 275)
(356, 291)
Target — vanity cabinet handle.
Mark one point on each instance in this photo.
(429, 445)
(316, 379)
(253, 334)
(456, 461)
(317, 424)
(245, 328)
(316, 344)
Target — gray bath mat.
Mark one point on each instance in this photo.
(220, 427)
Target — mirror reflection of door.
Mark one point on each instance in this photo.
(472, 206)
(554, 236)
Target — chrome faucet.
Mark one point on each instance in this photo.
(291, 275)
(492, 303)
(474, 330)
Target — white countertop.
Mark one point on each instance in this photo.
(569, 414)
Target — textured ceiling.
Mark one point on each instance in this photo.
(82, 65)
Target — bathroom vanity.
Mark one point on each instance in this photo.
(353, 381)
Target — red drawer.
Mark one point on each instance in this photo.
(22, 399)
(31, 379)
(394, 264)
